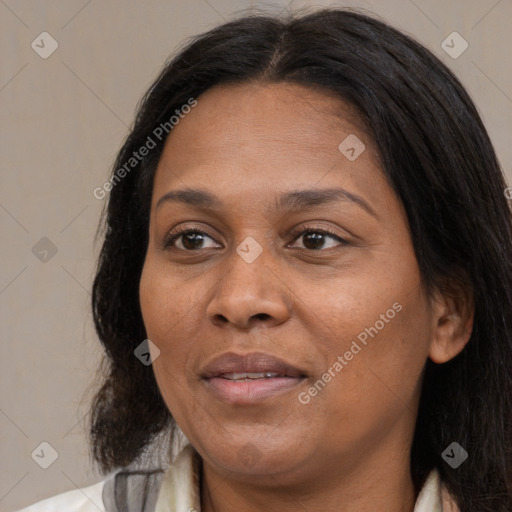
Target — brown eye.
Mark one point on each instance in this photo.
(315, 239)
(189, 239)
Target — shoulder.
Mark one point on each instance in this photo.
(87, 499)
(127, 490)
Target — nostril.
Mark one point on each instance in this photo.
(222, 319)
(261, 316)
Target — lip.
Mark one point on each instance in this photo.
(244, 392)
(253, 362)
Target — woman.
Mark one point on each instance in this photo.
(317, 263)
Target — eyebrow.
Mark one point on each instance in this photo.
(293, 200)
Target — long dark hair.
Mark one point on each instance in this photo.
(437, 156)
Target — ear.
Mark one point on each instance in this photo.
(453, 324)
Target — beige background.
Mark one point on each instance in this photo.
(63, 119)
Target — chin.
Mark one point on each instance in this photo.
(253, 454)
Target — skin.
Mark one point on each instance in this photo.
(348, 448)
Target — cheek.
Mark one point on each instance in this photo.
(375, 336)
(160, 313)
(162, 308)
(383, 351)
(170, 312)
(162, 302)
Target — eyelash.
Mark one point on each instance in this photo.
(169, 241)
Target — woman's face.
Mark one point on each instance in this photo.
(335, 317)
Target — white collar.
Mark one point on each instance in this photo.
(430, 499)
(180, 487)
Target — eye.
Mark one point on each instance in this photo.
(314, 238)
(193, 239)
(190, 240)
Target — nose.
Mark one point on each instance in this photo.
(249, 294)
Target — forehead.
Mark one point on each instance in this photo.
(252, 138)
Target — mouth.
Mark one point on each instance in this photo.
(246, 376)
(246, 379)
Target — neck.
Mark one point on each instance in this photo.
(382, 483)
